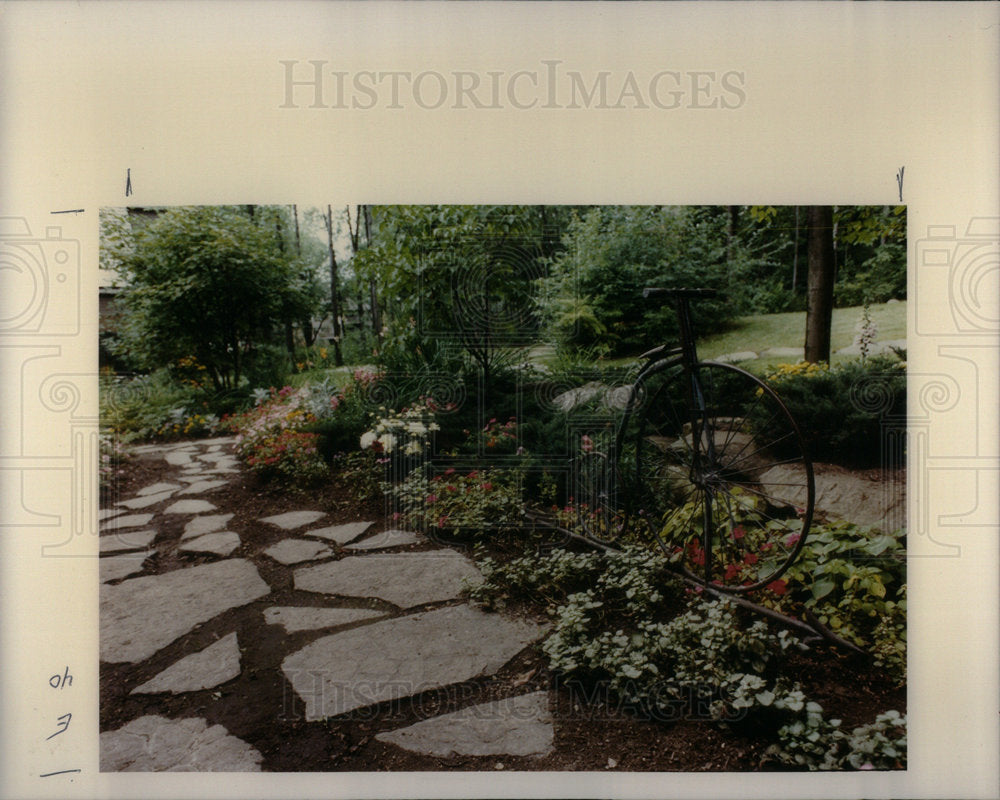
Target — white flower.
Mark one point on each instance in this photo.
(417, 428)
(368, 438)
(388, 441)
(413, 448)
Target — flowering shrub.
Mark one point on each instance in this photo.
(288, 456)
(270, 439)
(112, 453)
(455, 501)
(407, 431)
(182, 422)
(499, 436)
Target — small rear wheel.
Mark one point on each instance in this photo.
(720, 475)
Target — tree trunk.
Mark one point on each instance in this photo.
(795, 255)
(731, 226)
(338, 357)
(819, 292)
(376, 316)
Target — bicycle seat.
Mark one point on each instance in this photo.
(653, 291)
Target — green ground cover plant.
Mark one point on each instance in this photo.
(624, 621)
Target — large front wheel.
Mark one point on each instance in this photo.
(720, 476)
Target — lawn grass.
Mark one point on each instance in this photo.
(766, 331)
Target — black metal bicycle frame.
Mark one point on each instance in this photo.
(686, 356)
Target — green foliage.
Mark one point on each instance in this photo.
(341, 432)
(594, 290)
(146, 406)
(358, 472)
(212, 283)
(113, 455)
(843, 410)
(854, 581)
(879, 278)
(463, 504)
(817, 743)
(271, 438)
(613, 624)
(461, 278)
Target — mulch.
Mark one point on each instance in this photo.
(592, 731)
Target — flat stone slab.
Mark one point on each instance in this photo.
(295, 551)
(105, 513)
(294, 519)
(340, 533)
(217, 663)
(128, 521)
(783, 352)
(391, 538)
(178, 458)
(158, 744)
(115, 567)
(189, 507)
(221, 543)
(140, 616)
(209, 524)
(126, 540)
(402, 657)
(404, 579)
(203, 486)
(144, 501)
(733, 358)
(514, 726)
(842, 494)
(159, 488)
(298, 618)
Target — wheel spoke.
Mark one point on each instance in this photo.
(694, 475)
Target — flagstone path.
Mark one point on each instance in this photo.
(374, 623)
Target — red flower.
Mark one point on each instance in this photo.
(449, 471)
(792, 538)
(487, 486)
(750, 558)
(732, 571)
(778, 587)
(432, 498)
(738, 532)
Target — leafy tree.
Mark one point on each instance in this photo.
(594, 292)
(212, 283)
(459, 281)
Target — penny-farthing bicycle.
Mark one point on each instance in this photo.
(707, 465)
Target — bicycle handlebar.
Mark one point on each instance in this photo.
(653, 291)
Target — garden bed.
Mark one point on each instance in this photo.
(590, 734)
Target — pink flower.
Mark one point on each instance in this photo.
(750, 558)
(487, 486)
(432, 498)
(738, 532)
(792, 539)
(778, 587)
